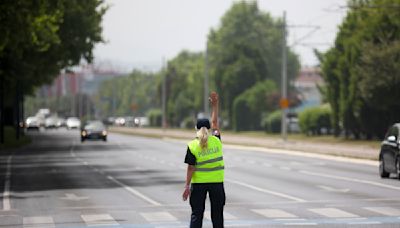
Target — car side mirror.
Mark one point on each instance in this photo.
(392, 139)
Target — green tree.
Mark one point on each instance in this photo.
(38, 39)
(250, 106)
(131, 95)
(245, 50)
(184, 77)
(363, 59)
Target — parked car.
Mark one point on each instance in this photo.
(94, 130)
(73, 122)
(389, 158)
(32, 123)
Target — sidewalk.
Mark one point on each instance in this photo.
(337, 149)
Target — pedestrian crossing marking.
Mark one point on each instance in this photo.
(227, 216)
(38, 222)
(159, 217)
(333, 213)
(99, 220)
(274, 213)
(389, 211)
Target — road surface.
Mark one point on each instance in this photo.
(138, 182)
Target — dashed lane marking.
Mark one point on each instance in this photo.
(159, 217)
(333, 213)
(99, 220)
(377, 184)
(274, 213)
(38, 222)
(389, 211)
(126, 187)
(6, 193)
(279, 194)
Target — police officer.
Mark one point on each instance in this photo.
(205, 171)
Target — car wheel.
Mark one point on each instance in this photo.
(382, 171)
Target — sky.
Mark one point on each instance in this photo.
(141, 33)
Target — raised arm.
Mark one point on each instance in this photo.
(214, 110)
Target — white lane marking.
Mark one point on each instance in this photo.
(331, 189)
(159, 217)
(134, 191)
(304, 154)
(234, 225)
(227, 216)
(389, 211)
(266, 164)
(274, 213)
(364, 223)
(285, 168)
(38, 222)
(301, 224)
(126, 187)
(6, 193)
(350, 179)
(333, 213)
(99, 220)
(73, 197)
(267, 191)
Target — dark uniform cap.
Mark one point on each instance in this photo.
(203, 123)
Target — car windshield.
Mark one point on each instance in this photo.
(94, 125)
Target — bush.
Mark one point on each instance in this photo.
(248, 106)
(155, 117)
(314, 120)
(188, 123)
(272, 122)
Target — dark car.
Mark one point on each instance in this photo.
(94, 130)
(389, 158)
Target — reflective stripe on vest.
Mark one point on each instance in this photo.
(209, 167)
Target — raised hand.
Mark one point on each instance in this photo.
(213, 98)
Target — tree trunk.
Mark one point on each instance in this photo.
(17, 112)
(1, 110)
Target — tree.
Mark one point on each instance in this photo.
(185, 86)
(246, 50)
(251, 105)
(39, 38)
(360, 65)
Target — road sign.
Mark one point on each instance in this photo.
(284, 103)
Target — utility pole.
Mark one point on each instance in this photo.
(164, 97)
(206, 84)
(284, 101)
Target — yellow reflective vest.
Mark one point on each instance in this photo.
(209, 167)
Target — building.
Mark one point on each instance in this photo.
(306, 83)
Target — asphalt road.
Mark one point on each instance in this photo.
(137, 182)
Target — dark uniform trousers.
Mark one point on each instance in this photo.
(198, 199)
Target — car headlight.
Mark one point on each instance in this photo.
(84, 133)
(104, 133)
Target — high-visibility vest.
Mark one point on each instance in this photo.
(209, 167)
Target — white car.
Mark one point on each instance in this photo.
(73, 122)
(32, 122)
(51, 122)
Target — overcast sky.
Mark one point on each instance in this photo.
(139, 33)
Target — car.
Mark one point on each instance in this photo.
(73, 122)
(95, 130)
(51, 122)
(32, 123)
(389, 156)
